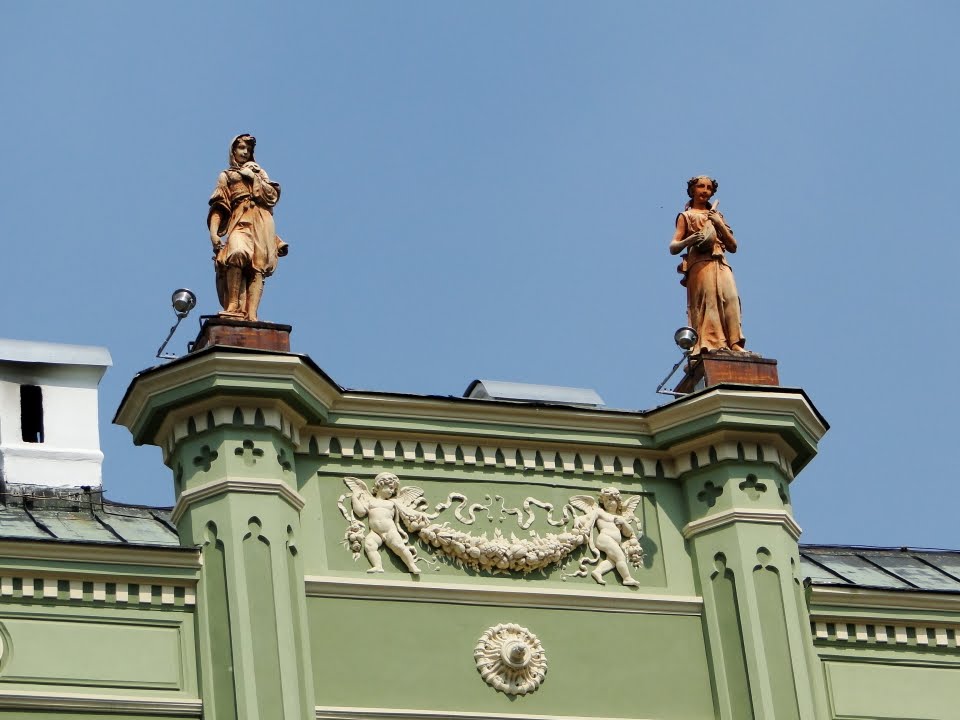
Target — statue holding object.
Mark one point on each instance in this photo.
(242, 231)
(713, 305)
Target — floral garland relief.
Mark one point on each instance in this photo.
(388, 515)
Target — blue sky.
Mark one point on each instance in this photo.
(488, 190)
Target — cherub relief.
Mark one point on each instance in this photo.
(394, 515)
(385, 508)
(616, 537)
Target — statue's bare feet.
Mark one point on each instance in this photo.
(598, 577)
(414, 570)
(631, 582)
(375, 570)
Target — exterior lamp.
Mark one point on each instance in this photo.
(685, 338)
(183, 301)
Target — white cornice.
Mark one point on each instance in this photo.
(101, 553)
(543, 598)
(221, 364)
(262, 486)
(865, 599)
(727, 517)
(325, 712)
(104, 704)
(728, 400)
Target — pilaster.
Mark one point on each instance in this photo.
(233, 459)
(736, 476)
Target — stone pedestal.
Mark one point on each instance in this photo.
(727, 367)
(218, 330)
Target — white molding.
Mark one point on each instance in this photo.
(263, 486)
(730, 401)
(43, 451)
(277, 415)
(727, 517)
(594, 460)
(873, 631)
(122, 594)
(326, 712)
(100, 553)
(461, 594)
(105, 704)
(902, 600)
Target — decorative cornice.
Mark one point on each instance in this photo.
(898, 600)
(222, 372)
(871, 631)
(783, 411)
(325, 712)
(297, 383)
(780, 401)
(727, 517)
(101, 554)
(214, 412)
(575, 459)
(261, 486)
(723, 445)
(43, 586)
(104, 704)
(542, 598)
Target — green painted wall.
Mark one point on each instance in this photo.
(374, 653)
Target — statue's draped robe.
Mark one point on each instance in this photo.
(713, 305)
(246, 222)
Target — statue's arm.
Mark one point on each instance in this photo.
(723, 231)
(214, 223)
(219, 213)
(680, 242)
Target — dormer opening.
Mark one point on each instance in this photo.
(31, 413)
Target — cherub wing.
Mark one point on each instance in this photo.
(630, 506)
(586, 503)
(409, 496)
(360, 495)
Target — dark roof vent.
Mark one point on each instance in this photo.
(527, 392)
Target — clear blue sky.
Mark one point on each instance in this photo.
(488, 190)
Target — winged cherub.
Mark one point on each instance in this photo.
(386, 507)
(616, 538)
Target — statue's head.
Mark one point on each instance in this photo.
(386, 481)
(241, 149)
(692, 183)
(610, 497)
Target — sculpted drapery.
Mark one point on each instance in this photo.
(242, 230)
(713, 305)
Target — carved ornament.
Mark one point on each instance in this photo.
(388, 515)
(510, 659)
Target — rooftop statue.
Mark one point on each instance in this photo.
(713, 305)
(245, 241)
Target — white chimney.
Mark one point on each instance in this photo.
(49, 426)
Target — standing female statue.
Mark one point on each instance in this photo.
(245, 242)
(713, 306)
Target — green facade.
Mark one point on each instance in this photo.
(266, 613)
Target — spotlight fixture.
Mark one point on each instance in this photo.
(685, 338)
(183, 301)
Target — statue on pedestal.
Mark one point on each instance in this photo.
(242, 231)
(713, 305)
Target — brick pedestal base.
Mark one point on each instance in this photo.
(218, 330)
(721, 367)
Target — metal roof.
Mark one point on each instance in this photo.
(502, 390)
(97, 521)
(882, 568)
